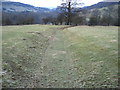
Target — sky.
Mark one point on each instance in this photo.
(55, 3)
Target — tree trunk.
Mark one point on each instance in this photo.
(69, 14)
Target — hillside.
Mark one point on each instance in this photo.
(20, 7)
(16, 12)
(104, 13)
(101, 5)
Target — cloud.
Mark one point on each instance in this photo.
(55, 3)
(40, 3)
(2, 0)
(91, 2)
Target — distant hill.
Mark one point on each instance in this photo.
(17, 13)
(101, 5)
(104, 12)
(20, 7)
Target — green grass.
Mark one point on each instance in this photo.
(48, 56)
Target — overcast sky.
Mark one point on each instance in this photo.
(55, 3)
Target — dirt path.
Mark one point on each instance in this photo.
(57, 68)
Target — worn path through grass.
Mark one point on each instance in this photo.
(58, 63)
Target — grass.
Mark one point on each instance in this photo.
(53, 57)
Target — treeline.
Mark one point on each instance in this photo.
(24, 18)
(104, 16)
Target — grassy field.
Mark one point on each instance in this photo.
(56, 57)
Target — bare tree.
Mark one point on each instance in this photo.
(96, 15)
(78, 20)
(61, 18)
(45, 20)
(68, 5)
